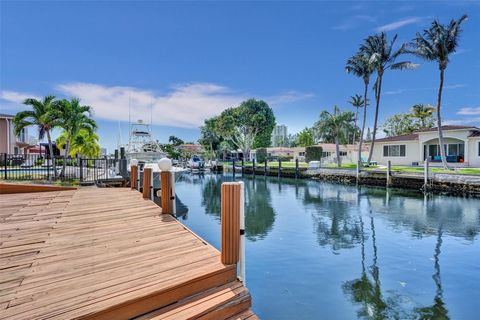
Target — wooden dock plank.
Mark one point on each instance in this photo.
(99, 254)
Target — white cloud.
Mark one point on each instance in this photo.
(462, 121)
(15, 97)
(392, 92)
(184, 106)
(469, 111)
(354, 22)
(455, 86)
(399, 23)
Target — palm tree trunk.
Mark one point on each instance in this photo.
(50, 149)
(67, 144)
(355, 127)
(337, 150)
(439, 121)
(377, 96)
(360, 143)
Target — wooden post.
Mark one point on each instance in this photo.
(279, 167)
(296, 168)
(167, 192)
(233, 167)
(265, 167)
(358, 171)
(243, 164)
(147, 181)
(389, 168)
(425, 174)
(253, 162)
(133, 177)
(230, 217)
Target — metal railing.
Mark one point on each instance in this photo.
(40, 167)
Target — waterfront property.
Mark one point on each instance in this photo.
(462, 147)
(348, 152)
(107, 253)
(9, 142)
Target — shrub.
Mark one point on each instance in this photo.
(261, 155)
(39, 162)
(313, 153)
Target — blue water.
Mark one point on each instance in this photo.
(321, 250)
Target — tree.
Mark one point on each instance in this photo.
(85, 143)
(360, 66)
(405, 123)
(241, 125)
(261, 155)
(436, 44)
(176, 141)
(313, 153)
(73, 118)
(305, 138)
(369, 135)
(357, 102)
(42, 116)
(338, 124)
(382, 57)
(423, 112)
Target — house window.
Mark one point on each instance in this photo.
(479, 148)
(343, 153)
(326, 154)
(394, 150)
(301, 154)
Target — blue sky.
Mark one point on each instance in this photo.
(180, 62)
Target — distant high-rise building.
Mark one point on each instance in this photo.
(279, 136)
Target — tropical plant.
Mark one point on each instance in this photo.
(338, 124)
(176, 141)
(242, 124)
(437, 44)
(357, 102)
(382, 56)
(423, 112)
(313, 153)
(360, 66)
(405, 123)
(305, 138)
(261, 155)
(73, 117)
(85, 144)
(41, 116)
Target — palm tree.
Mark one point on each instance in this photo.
(436, 44)
(357, 102)
(339, 124)
(84, 143)
(41, 116)
(422, 112)
(360, 66)
(382, 56)
(74, 117)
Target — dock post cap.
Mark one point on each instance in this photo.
(133, 162)
(165, 164)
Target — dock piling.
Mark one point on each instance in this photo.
(389, 169)
(133, 174)
(147, 182)
(167, 192)
(230, 217)
(425, 175)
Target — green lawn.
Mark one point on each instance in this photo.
(436, 170)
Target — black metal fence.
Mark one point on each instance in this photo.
(39, 167)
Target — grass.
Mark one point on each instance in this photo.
(436, 170)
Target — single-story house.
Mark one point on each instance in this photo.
(461, 143)
(347, 152)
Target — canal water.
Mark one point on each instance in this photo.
(321, 250)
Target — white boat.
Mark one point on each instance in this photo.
(196, 164)
(143, 147)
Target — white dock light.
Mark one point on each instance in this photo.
(133, 162)
(165, 164)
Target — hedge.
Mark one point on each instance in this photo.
(313, 153)
(261, 155)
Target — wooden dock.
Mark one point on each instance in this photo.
(102, 253)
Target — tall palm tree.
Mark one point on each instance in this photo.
(339, 124)
(436, 44)
(84, 143)
(382, 55)
(74, 117)
(357, 102)
(360, 66)
(422, 112)
(42, 116)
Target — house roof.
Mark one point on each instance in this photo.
(4, 115)
(414, 135)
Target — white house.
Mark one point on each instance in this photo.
(461, 143)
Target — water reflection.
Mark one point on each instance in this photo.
(259, 214)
